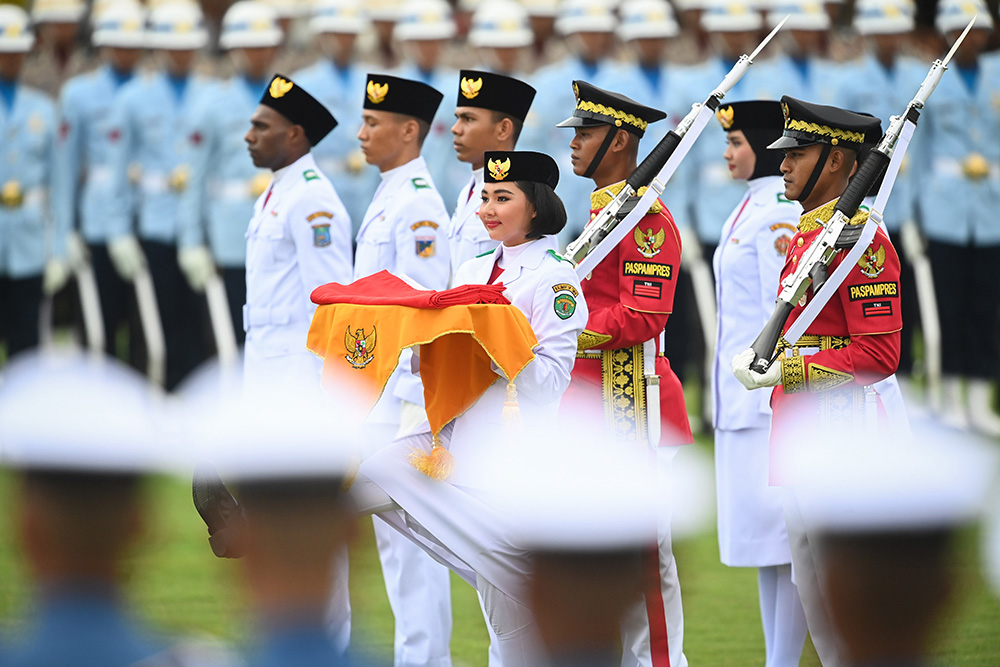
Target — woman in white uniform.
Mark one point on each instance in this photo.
(747, 266)
(449, 518)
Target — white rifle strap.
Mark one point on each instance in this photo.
(820, 299)
(654, 190)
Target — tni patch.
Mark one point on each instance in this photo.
(565, 306)
(426, 246)
(649, 289)
(876, 308)
(321, 236)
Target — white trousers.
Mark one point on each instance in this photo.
(782, 616)
(653, 630)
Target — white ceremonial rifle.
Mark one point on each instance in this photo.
(837, 234)
(623, 213)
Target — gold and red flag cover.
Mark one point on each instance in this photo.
(360, 329)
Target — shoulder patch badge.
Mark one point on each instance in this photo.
(564, 305)
(424, 223)
(426, 246)
(319, 214)
(872, 262)
(649, 242)
(310, 175)
(565, 287)
(420, 183)
(782, 243)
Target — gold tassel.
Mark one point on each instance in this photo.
(511, 409)
(436, 464)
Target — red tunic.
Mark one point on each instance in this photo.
(865, 308)
(630, 295)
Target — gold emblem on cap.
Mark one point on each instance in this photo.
(377, 92)
(784, 111)
(725, 116)
(576, 91)
(498, 169)
(279, 87)
(470, 89)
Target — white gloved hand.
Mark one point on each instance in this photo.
(76, 250)
(57, 273)
(752, 379)
(126, 255)
(198, 266)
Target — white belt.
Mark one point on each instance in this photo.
(258, 316)
(155, 183)
(715, 172)
(234, 190)
(99, 175)
(954, 167)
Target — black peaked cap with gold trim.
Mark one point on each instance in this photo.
(299, 107)
(495, 92)
(405, 96)
(596, 106)
(807, 123)
(504, 166)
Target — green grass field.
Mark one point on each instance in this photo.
(180, 586)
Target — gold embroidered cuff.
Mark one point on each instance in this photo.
(822, 378)
(590, 339)
(793, 374)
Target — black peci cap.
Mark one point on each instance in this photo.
(595, 106)
(807, 124)
(495, 92)
(521, 166)
(405, 96)
(299, 107)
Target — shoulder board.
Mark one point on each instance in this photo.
(489, 252)
(657, 207)
(310, 175)
(420, 183)
(559, 257)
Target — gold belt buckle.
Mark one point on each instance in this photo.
(975, 167)
(11, 194)
(179, 178)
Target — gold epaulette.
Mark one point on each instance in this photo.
(811, 221)
(601, 198)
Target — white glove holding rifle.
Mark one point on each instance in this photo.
(198, 266)
(752, 379)
(126, 255)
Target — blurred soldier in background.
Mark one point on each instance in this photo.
(958, 149)
(80, 510)
(803, 69)
(405, 232)
(84, 159)
(335, 80)
(30, 247)
(588, 27)
(224, 184)
(881, 81)
(424, 30)
(57, 56)
(149, 176)
(501, 35)
(542, 19)
(490, 111)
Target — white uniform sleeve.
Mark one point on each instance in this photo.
(546, 378)
(421, 240)
(321, 230)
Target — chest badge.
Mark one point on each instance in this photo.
(648, 242)
(872, 262)
(360, 347)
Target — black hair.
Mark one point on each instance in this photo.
(516, 122)
(550, 214)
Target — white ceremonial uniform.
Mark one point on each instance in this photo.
(405, 232)
(751, 514)
(747, 266)
(467, 236)
(299, 238)
(443, 517)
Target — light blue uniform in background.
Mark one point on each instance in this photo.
(27, 235)
(449, 175)
(213, 210)
(342, 91)
(84, 165)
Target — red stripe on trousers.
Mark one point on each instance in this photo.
(659, 644)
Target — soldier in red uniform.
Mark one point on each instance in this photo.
(630, 295)
(822, 384)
